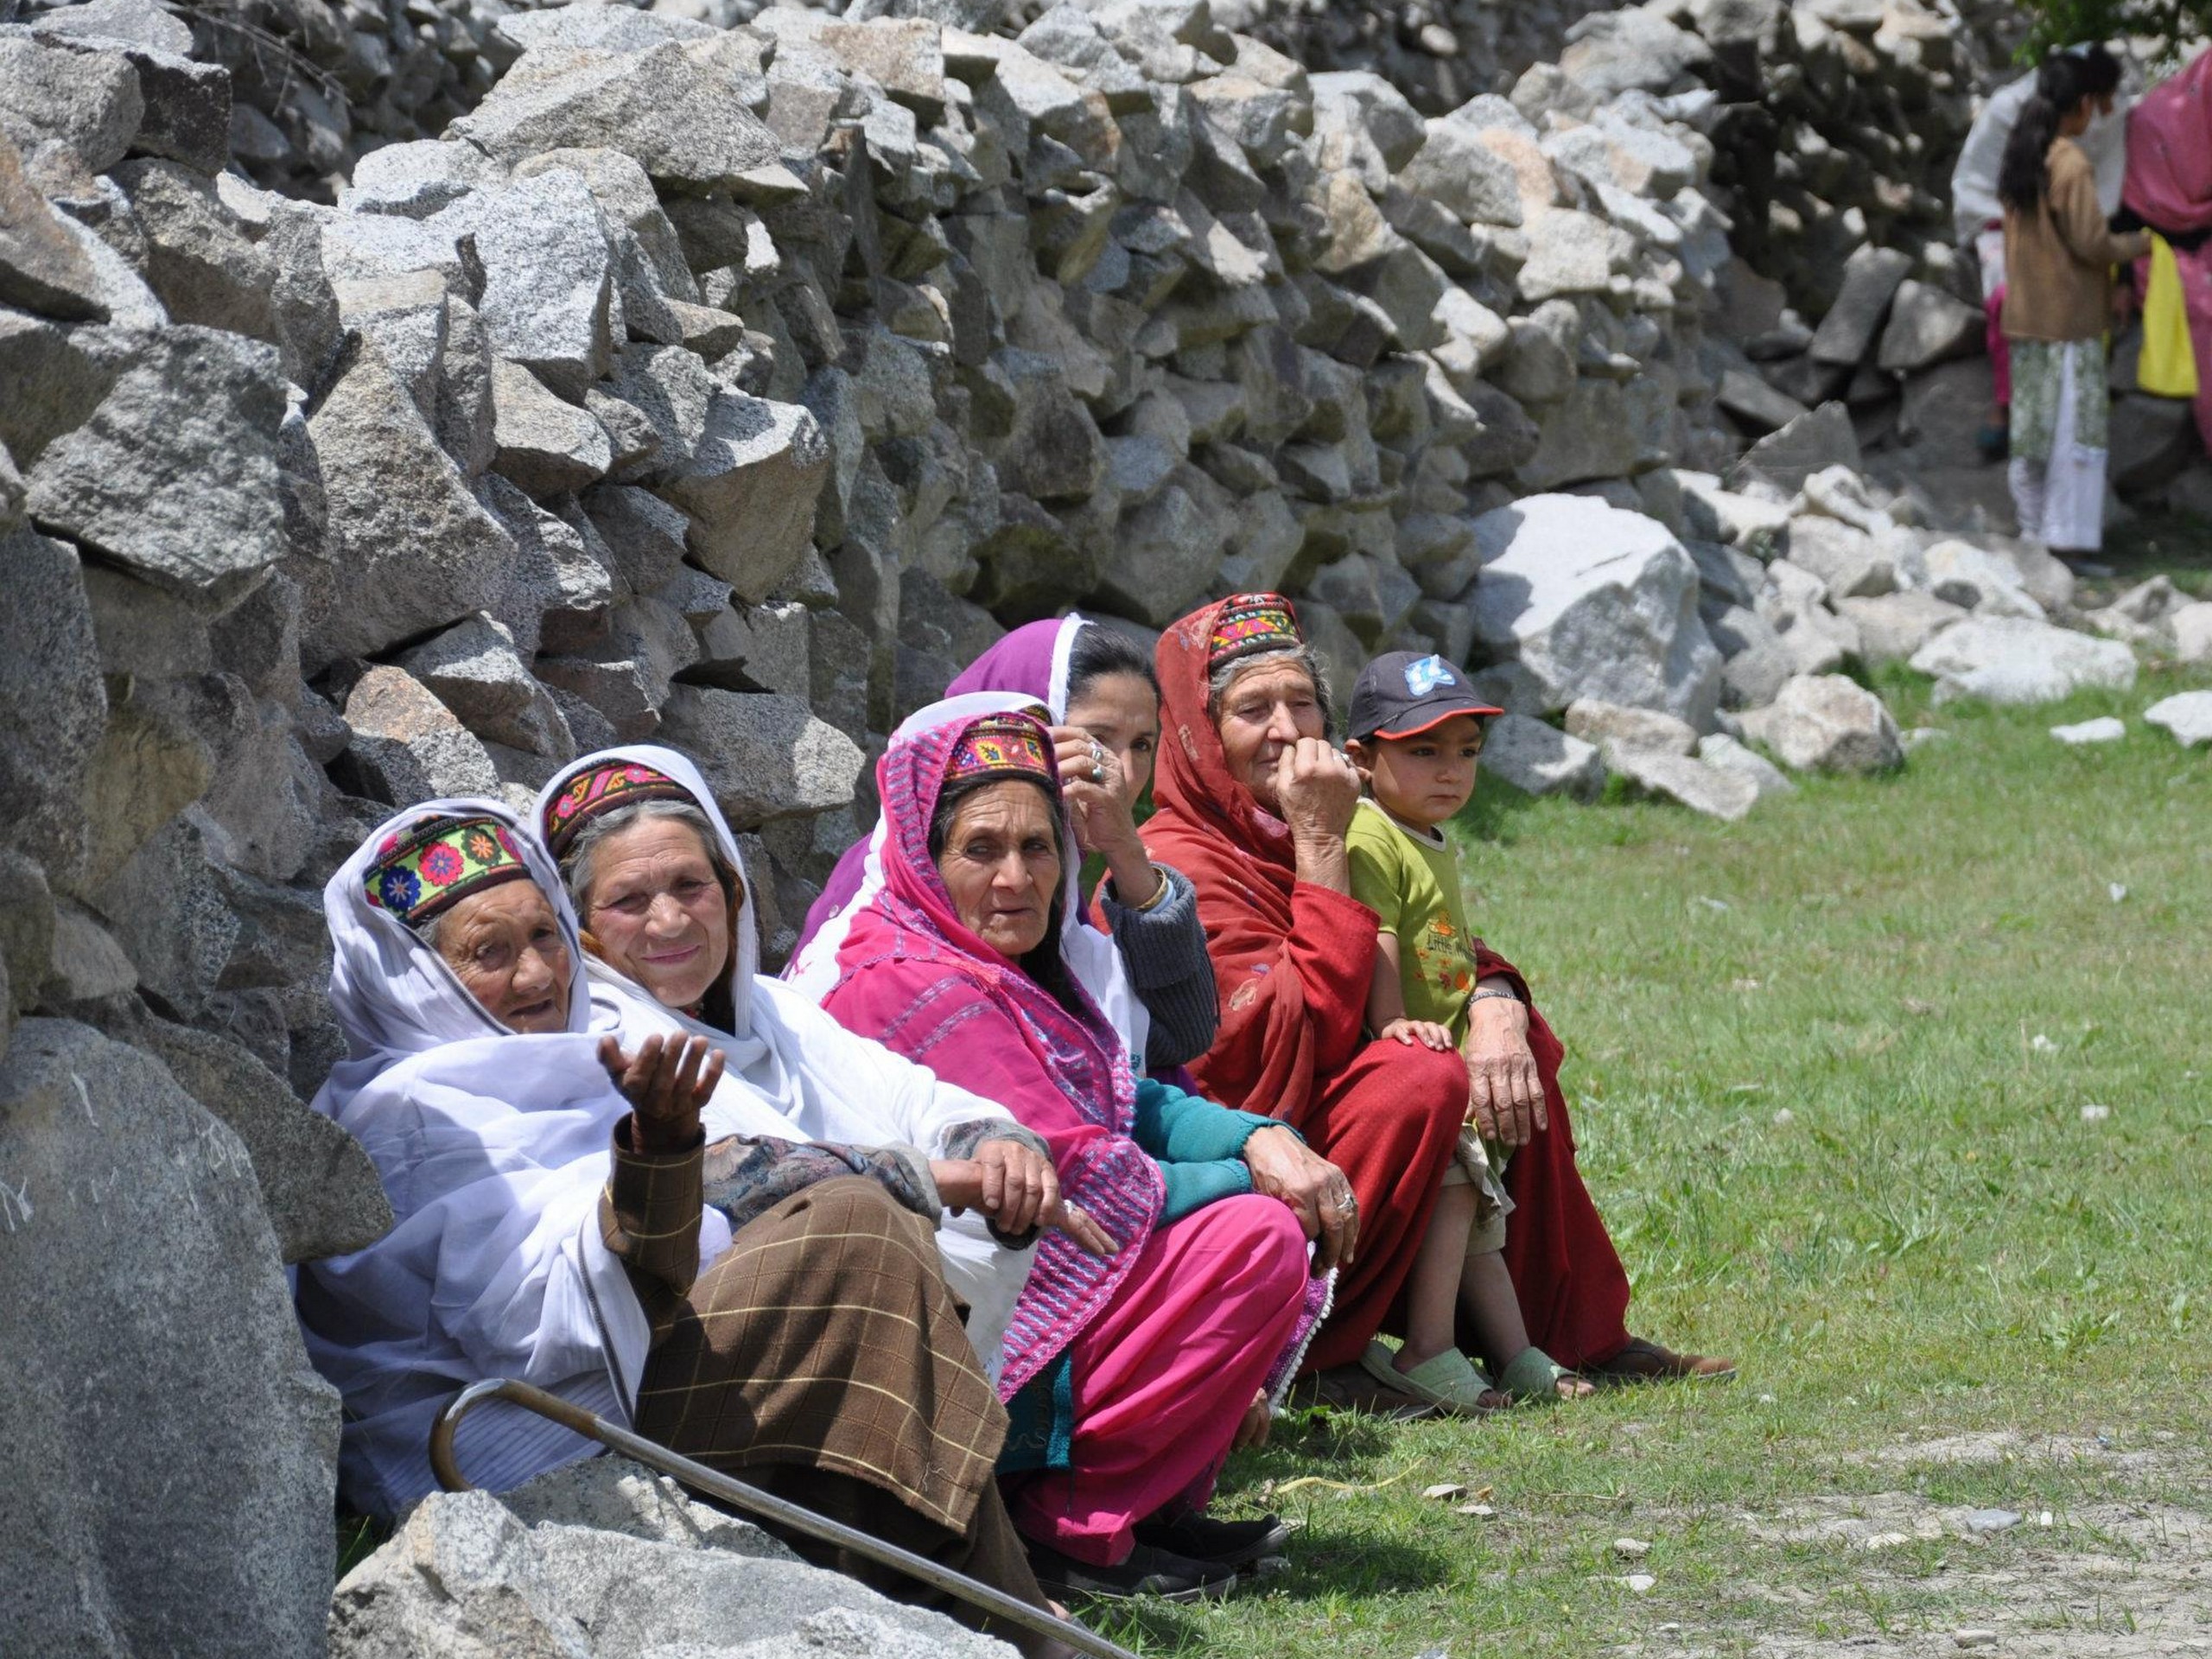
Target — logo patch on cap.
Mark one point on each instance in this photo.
(1425, 676)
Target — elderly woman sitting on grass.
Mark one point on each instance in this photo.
(1128, 1376)
(1254, 806)
(760, 1304)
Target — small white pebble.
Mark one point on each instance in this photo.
(1973, 1638)
(2044, 1519)
(1445, 1491)
(1480, 1511)
(1766, 1399)
(1784, 1118)
(2117, 889)
(1887, 1540)
(2094, 1114)
(1639, 1584)
(1631, 1549)
(2042, 1044)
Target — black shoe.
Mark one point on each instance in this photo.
(1148, 1572)
(1224, 1543)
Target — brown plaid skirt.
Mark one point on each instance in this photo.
(825, 1337)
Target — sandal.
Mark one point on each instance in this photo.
(1449, 1380)
(1535, 1374)
(1639, 1361)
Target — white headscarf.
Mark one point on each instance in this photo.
(793, 1073)
(494, 1147)
(1091, 955)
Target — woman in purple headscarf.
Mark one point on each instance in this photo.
(1099, 688)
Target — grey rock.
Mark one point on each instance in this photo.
(603, 1573)
(548, 447)
(1163, 555)
(185, 107)
(1756, 400)
(1455, 167)
(675, 109)
(475, 671)
(1610, 727)
(1871, 277)
(1749, 523)
(200, 261)
(1983, 581)
(1850, 561)
(87, 964)
(26, 930)
(643, 536)
(187, 1274)
(1716, 792)
(595, 28)
(52, 92)
(2016, 660)
(1591, 602)
(41, 267)
(1733, 578)
(408, 745)
(321, 1194)
(174, 476)
(2106, 729)
(1785, 459)
(2187, 716)
(549, 275)
(52, 705)
(1610, 52)
(1825, 722)
(1540, 760)
(764, 756)
(415, 179)
(1586, 435)
(1571, 253)
(1926, 327)
(411, 548)
(1724, 753)
(1381, 109)
(2192, 630)
(1893, 627)
(2150, 441)
(1054, 451)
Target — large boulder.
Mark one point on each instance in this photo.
(1577, 599)
(764, 756)
(604, 1559)
(169, 1457)
(1540, 760)
(1825, 722)
(53, 702)
(1716, 792)
(2187, 716)
(174, 475)
(2017, 660)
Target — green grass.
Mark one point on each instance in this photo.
(1932, 1243)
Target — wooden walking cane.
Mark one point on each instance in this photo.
(752, 1500)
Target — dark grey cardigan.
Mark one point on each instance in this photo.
(1165, 951)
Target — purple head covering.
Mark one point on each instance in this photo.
(1031, 662)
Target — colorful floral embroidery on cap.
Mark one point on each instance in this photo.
(1249, 623)
(602, 789)
(438, 862)
(1002, 743)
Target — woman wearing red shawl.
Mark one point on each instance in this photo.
(1253, 807)
(1127, 1376)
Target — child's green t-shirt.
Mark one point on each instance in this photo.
(1411, 881)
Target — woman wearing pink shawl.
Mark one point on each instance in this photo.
(1102, 695)
(1128, 1376)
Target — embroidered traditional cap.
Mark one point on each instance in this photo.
(439, 861)
(1248, 623)
(602, 789)
(1404, 693)
(1008, 744)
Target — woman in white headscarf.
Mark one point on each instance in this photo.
(766, 1304)
(672, 951)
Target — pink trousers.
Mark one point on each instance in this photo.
(1164, 1374)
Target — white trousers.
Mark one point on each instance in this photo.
(2062, 504)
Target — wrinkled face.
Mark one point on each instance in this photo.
(1122, 712)
(1001, 865)
(505, 946)
(656, 911)
(1266, 710)
(1427, 777)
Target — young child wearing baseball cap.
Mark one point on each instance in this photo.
(1416, 730)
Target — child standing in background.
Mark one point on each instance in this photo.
(1416, 730)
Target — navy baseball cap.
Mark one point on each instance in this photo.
(1403, 693)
